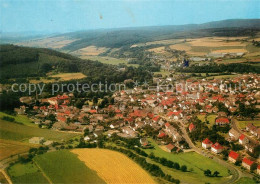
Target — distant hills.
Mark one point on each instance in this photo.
(115, 38)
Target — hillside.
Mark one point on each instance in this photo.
(115, 38)
(25, 62)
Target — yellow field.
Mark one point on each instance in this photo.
(90, 51)
(182, 46)
(60, 76)
(69, 76)
(157, 50)
(216, 42)
(112, 166)
(8, 148)
(229, 51)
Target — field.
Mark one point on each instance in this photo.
(8, 148)
(90, 51)
(108, 60)
(52, 42)
(64, 167)
(19, 118)
(242, 124)
(26, 173)
(69, 76)
(113, 167)
(193, 161)
(18, 132)
(203, 46)
(59, 77)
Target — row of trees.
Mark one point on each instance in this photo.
(215, 68)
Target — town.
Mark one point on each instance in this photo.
(204, 119)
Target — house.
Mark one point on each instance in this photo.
(87, 138)
(222, 121)
(206, 143)
(191, 127)
(243, 139)
(144, 142)
(251, 146)
(247, 163)
(234, 135)
(258, 169)
(233, 156)
(36, 140)
(170, 147)
(251, 128)
(216, 148)
(161, 134)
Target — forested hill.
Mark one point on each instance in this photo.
(23, 62)
(115, 38)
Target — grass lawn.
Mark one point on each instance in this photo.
(163, 73)
(211, 118)
(14, 131)
(26, 173)
(243, 124)
(109, 60)
(65, 167)
(19, 118)
(201, 117)
(245, 180)
(193, 161)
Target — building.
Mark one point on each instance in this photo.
(170, 147)
(206, 143)
(216, 148)
(233, 156)
(36, 140)
(222, 121)
(234, 135)
(144, 142)
(243, 139)
(247, 163)
(191, 127)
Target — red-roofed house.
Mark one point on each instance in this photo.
(92, 111)
(206, 143)
(161, 134)
(247, 163)
(170, 147)
(167, 125)
(216, 148)
(191, 127)
(233, 156)
(243, 139)
(222, 121)
(156, 119)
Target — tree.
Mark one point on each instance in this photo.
(95, 100)
(177, 166)
(184, 168)
(207, 172)
(215, 174)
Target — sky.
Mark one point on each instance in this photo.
(74, 15)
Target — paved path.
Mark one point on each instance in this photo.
(6, 176)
